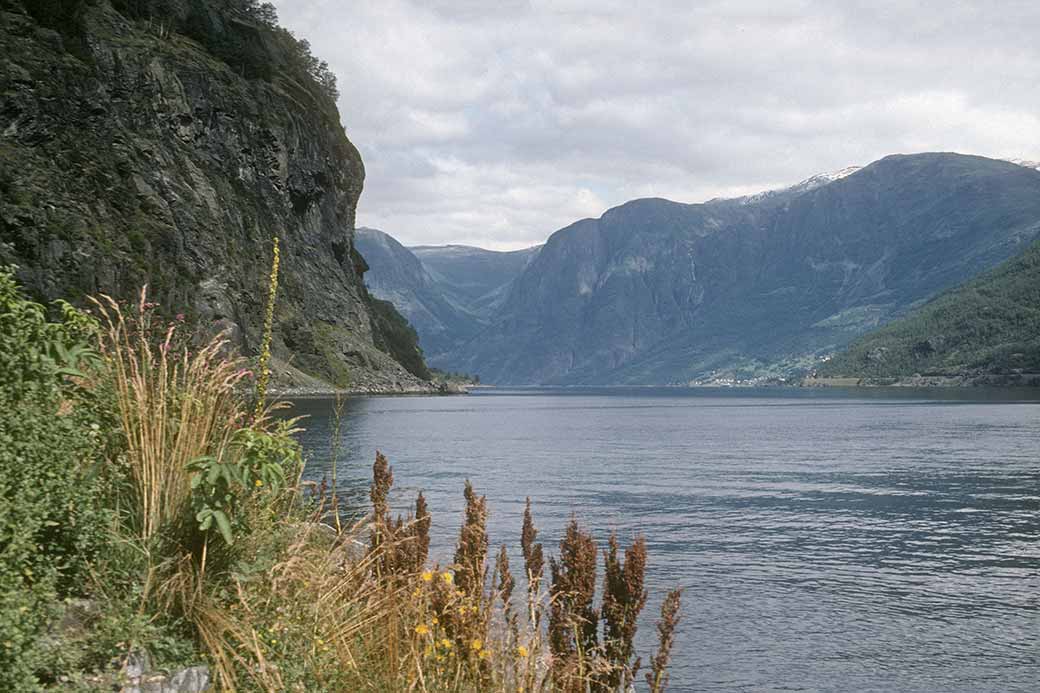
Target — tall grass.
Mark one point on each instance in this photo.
(174, 405)
(277, 600)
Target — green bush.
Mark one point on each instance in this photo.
(51, 522)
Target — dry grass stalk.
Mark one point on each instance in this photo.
(399, 547)
(379, 493)
(175, 406)
(623, 599)
(472, 549)
(572, 619)
(420, 534)
(337, 436)
(657, 677)
(534, 563)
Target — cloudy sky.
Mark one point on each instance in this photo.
(496, 122)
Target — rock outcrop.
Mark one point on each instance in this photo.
(167, 143)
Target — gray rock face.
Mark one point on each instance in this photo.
(448, 293)
(131, 154)
(656, 292)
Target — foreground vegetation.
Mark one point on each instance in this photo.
(152, 505)
(991, 325)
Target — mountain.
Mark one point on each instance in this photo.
(396, 275)
(657, 292)
(448, 293)
(167, 142)
(985, 328)
(474, 278)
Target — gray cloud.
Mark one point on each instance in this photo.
(496, 123)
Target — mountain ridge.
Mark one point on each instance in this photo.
(656, 292)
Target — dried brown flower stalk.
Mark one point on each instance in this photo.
(623, 599)
(471, 553)
(657, 677)
(397, 547)
(420, 532)
(534, 563)
(382, 481)
(572, 618)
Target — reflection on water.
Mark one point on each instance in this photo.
(827, 540)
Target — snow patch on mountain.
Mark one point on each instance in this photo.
(817, 181)
(1027, 163)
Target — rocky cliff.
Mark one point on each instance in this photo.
(167, 143)
(657, 292)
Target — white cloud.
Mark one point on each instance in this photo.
(497, 123)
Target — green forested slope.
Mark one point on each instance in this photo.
(991, 325)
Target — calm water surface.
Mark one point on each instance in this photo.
(827, 540)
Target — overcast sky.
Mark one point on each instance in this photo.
(494, 123)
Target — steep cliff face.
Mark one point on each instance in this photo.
(656, 292)
(396, 275)
(168, 143)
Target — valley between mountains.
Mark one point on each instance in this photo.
(760, 289)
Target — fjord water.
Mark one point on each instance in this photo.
(827, 540)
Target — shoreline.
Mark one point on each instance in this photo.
(1011, 380)
(311, 392)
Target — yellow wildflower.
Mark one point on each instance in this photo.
(422, 629)
(522, 651)
(445, 643)
(427, 576)
(447, 577)
(258, 483)
(476, 645)
(483, 654)
(435, 621)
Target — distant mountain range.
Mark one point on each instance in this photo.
(764, 286)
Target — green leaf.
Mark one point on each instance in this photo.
(224, 526)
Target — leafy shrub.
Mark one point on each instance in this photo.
(257, 462)
(51, 521)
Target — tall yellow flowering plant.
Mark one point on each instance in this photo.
(263, 369)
